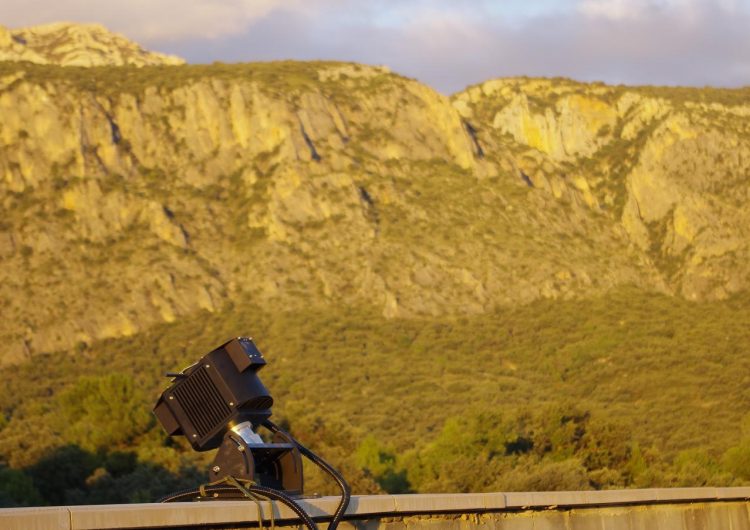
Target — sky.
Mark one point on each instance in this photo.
(447, 44)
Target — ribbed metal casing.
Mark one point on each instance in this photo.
(202, 402)
(220, 390)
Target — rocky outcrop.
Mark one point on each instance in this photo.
(137, 197)
(68, 44)
(669, 166)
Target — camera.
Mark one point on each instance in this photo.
(221, 391)
(219, 402)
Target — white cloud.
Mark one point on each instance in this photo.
(612, 9)
(688, 10)
(149, 20)
(623, 10)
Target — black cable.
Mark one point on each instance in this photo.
(325, 466)
(229, 492)
(179, 496)
(286, 499)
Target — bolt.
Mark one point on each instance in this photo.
(231, 404)
(171, 397)
(216, 469)
(207, 366)
(195, 436)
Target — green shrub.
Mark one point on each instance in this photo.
(102, 411)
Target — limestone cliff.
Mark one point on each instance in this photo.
(670, 166)
(68, 44)
(134, 196)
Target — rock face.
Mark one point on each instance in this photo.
(669, 166)
(68, 44)
(136, 196)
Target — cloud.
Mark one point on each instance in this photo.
(153, 20)
(452, 44)
(446, 43)
(633, 9)
(165, 20)
(640, 9)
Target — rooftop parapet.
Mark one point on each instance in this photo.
(655, 509)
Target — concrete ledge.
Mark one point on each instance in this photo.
(57, 518)
(246, 513)
(440, 502)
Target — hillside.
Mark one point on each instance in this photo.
(68, 44)
(550, 275)
(160, 191)
(624, 390)
(670, 166)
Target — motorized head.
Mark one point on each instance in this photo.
(218, 392)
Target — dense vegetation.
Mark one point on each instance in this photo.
(116, 80)
(627, 390)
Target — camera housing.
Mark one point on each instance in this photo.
(218, 392)
(219, 402)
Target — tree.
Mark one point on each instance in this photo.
(17, 489)
(380, 463)
(736, 460)
(63, 472)
(99, 412)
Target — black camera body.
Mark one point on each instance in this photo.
(219, 391)
(219, 402)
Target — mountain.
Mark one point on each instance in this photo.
(68, 44)
(530, 284)
(139, 196)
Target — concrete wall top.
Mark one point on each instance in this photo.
(133, 516)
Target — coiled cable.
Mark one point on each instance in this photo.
(231, 488)
(233, 491)
(325, 466)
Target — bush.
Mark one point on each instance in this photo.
(736, 460)
(99, 412)
(17, 489)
